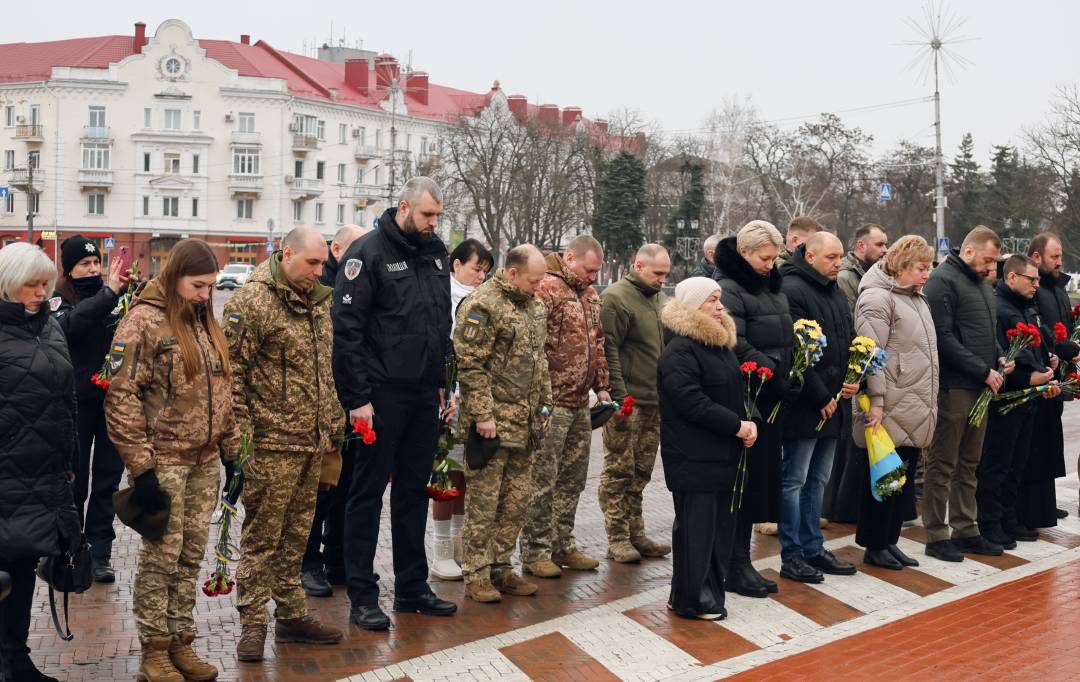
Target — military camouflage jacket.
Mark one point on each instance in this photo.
(280, 343)
(155, 415)
(575, 338)
(502, 370)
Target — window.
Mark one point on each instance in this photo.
(320, 130)
(194, 164)
(9, 116)
(35, 203)
(171, 207)
(363, 135)
(146, 205)
(408, 141)
(172, 119)
(96, 156)
(195, 207)
(96, 204)
(340, 214)
(147, 116)
(342, 133)
(9, 159)
(298, 168)
(35, 159)
(196, 118)
(319, 212)
(246, 123)
(9, 203)
(244, 208)
(378, 139)
(146, 162)
(172, 164)
(423, 146)
(95, 125)
(341, 173)
(35, 114)
(245, 161)
(320, 170)
(297, 211)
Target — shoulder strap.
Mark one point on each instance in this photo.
(64, 634)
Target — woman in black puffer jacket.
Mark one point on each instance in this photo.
(745, 269)
(83, 305)
(37, 440)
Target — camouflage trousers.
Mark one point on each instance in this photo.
(279, 498)
(558, 478)
(629, 456)
(166, 582)
(495, 505)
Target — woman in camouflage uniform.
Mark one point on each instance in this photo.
(169, 412)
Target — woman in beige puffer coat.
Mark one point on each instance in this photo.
(893, 311)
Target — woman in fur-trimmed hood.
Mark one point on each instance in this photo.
(702, 435)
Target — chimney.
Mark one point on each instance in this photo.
(519, 107)
(245, 39)
(140, 36)
(601, 126)
(549, 113)
(570, 115)
(386, 70)
(416, 86)
(356, 74)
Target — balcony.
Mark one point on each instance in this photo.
(245, 184)
(366, 152)
(305, 188)
(31, 133)
(99, 134)
(369, 192)
(91, 178)
(428, 158)
(303, 144)
(246, 139)
(19, 179)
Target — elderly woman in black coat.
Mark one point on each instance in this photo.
(702, 434)
(37, 423)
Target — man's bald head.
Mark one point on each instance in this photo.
(525, 267)
(300, 237)
(652, 265)
(824, 251)
(303, 257)
(344, 238)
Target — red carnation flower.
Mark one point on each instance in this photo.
(627, 407)
(748, 367)
(1012, 334)
(1060, 332)
(764, 373)
(366, 433)
(1076, 310)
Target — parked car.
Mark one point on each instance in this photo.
(234, 275)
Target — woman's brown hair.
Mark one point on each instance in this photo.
(907, 251)
(191, 258)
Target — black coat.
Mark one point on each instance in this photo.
(701, 392)
(330, 270)
(88, 325)
(392, 317)
(813, 296)
(1053, 304)
(962, 304)
(1013, 308)
(37, 436)
(762, 318)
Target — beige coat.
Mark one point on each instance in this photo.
(899, 320)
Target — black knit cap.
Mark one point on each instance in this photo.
(74, 249)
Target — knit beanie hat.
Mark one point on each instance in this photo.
(74, 249)
(693, 291)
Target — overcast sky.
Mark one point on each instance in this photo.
(674, 60)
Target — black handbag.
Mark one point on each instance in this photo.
(66, 573)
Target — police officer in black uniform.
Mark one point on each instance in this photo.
(391, 318)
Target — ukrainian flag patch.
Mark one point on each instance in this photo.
(232, 318)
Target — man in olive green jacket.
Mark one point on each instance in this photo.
(633, 341)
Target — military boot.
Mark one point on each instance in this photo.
(252, 642)
(509, 582)
(544, 568)
(184, 659)
(305, 630)
(576, 561)
(650, 548)
(623, 552)
(480, 589)
(156, 666)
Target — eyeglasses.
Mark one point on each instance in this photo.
(1027, 277)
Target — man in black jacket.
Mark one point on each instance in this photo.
(812, 292)
(391, 317)
(962, 304)
(1037, 504)
(1009, 435)
(707, 267)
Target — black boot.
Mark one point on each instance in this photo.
(741, 577)
(24, 670)
(882, 558)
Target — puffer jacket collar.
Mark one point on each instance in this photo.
(15, 315)
(877, 278)
(516, 295)
(556, 267)
(800, 267)
(683, 320)
(730, 263)
(958, 263)
(1048, 280)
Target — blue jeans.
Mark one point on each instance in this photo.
(806, 468)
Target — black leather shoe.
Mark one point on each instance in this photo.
(904, 559)
(103, 572)
(369, 618)
(977, 544)
(1061, 513)
(315, 583)
(943, 550)
(999, 537)
(882, 558)
(743, 580)
(797, 569)
(1018, 532)
(770, 585)
(827, 563)
(427, 604)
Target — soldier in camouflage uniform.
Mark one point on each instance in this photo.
(280, 341)
(576, 362)
(634, 340)
(505, 392)
(169, 413)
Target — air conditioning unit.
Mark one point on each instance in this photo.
(293, 128)
(289, 179)
(20, 119)
(357, 132)
(229, 117)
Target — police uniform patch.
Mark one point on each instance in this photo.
(438, 263)
(116, 357)
(232, 318)
(54, 303)
(353, 266)
(346, 299)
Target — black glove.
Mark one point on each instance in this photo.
(148, 495)
(233, 473)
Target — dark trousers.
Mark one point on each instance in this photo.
(97, 477)
(701, 540)
(1005, 455)
(407, 428)
(879, 522)
(326, 541)
(16, 610)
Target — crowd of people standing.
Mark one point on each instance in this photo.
(385, 333)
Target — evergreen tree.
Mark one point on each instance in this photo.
(967, 187)
(690, 206)
(1004, 196)
(620, 206)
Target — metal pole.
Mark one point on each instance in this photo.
(30, 199)
(393, 141)
(939, 165)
